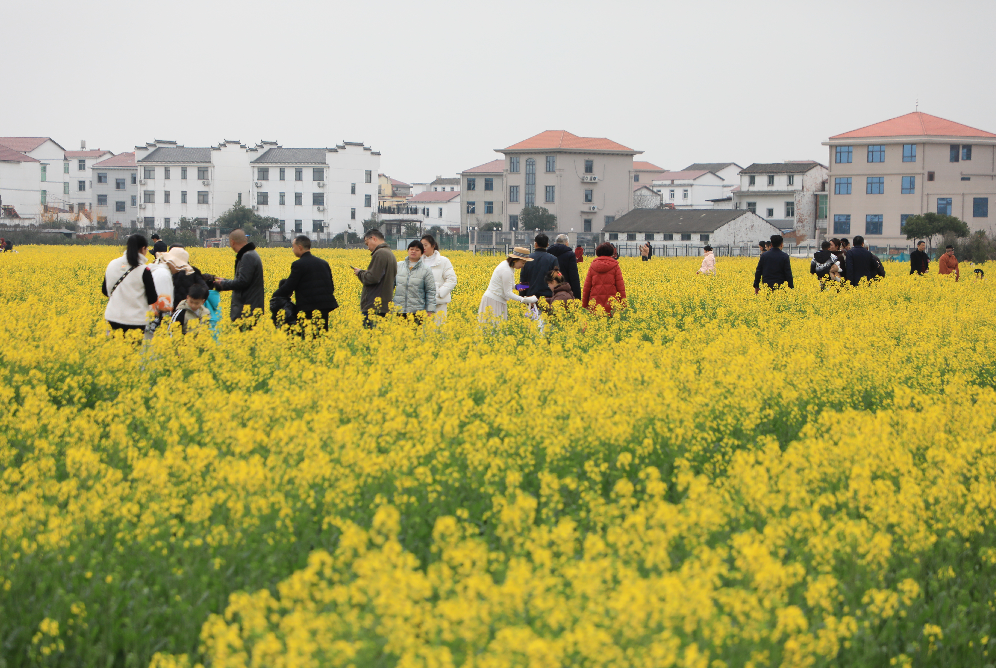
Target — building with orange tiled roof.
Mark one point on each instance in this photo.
(883, 173)
(392, 192)
(585, 181)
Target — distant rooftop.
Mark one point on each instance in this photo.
(799, 167)
(293, 156)
(563, 140)
(94, 153)
(674, 221)
(916, 124)
(434, 196)
(25, 144)
(178, 154)
(120, 160)
(493, 167)
(709, 166)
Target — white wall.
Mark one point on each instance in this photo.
(700, 191)
(746, 229)
(20, 187)
(85, 197)
(114, 195)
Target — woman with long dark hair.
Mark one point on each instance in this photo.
(129, 287)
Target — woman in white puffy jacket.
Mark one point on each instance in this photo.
(442, 272)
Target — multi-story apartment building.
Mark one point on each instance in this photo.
(317, 192)
(786, 194)
(483, 190)
(692, 189)
(115, 190)
(585, 181)
(20, 187)
(728, 171)
(48, 165)
(76, 168)
(883, 173)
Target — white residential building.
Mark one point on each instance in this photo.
(689, 227)
(483, 190)
(49, 165)
(115, 191)
(440, 207)
(318, 192)
(790, 195)
(688, 190)
(20, 187)
(77, 166)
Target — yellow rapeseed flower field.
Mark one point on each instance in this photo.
(709, 479)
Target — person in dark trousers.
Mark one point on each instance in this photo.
(310, 282)
(247, 286)
(919, 260)
(859, 262)
(378, 279)
(568, 263)
(647, 251)
(579, 253)
(534, 273)
(774, 267)
(158, 245)
(129, 287)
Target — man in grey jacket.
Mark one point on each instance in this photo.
(378, 278)
(247, 286)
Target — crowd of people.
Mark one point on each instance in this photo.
(421, 285)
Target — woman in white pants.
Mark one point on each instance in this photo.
(442, 272)
(501, 289)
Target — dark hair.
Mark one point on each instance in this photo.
(762, 242)
(303, 241)
(776, 240)
(417, 244)
(431, 239)
(156, 236)
(945, 248)
(542, 240)
(707, 248)
(920, 242)
(825, 245)
(844, 242)
(554, 276)
(512, 260)
(859, 240)
(836, 242)
(374, 232)
(198, 291)
(605, 249)
(136, 242)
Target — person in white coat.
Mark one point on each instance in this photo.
(501, 289)
(442, 272)
(129, 286)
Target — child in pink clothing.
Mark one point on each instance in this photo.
(708, 262)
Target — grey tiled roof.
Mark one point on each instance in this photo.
(293, 156)
(708, 166)
(445, 182)
(674, 221)
(780, 167)
(178, 154)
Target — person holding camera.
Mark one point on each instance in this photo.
(501, 289)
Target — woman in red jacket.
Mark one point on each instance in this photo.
(604, 280)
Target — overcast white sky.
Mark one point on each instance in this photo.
(436, 86)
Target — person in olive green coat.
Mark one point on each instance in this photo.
(415, 286)
(378, 278)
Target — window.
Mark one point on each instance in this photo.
(81, 165)
(263, 174)
(909, 152)
(902, 220)
(299, 226)
(955, 151)
(513, 193)
(636, 178)
(587, 224)
(366, 200)
(317, 225)
(944, 205)
(791, 179)
(530, 182)
(150, 222)
(440, 212)
(119, 184)
(684, 194)
(631, 236)
(183, 172)
(238, 199)
(134, 178)
(841, 223)
(44, 172)
(299, 174)
(589, 196)
(966, 152)
(318, 174)
(65, 167)
(202, 196)
(930, 176)
(589, 168)
(909, 185)
(668, 237)
(471, 207)
(771, 213)
(489, 207)
(119, 207)
(202, 173)
(81, 186)
(352, 214)
(165, 172)
(44, 195)
(790, 209)
(822, 204)
(550, 192)
(283, 173)
(149, 197)
(752, 207)
(876, 153)
(873, 224)
(183, 197)
(751, 180)
(609, 219)
(771, 179)
(875, 185)
(65, 188)
(149, 172)
(298, 199)
(368, 176)
(489, 183)
(649, 236)
(966, 178)
(101, 177)
(551, 163)
(263, 199)
(670, 193)
(101, 200)
(704, 238)
(513, 166)
(166, 222)
(318, 199)
(134, 200)
(471, 183)
(686, 237)
(165, 197)
(613, 236)
(844, 154)
(352, 188)
(980, 207)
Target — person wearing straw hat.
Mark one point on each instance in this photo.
(185, 275)
(501, 289)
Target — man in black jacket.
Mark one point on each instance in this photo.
(534, 273)
(568, 263)
(311, 281)
(774, 268)
(919, 260)
(247, 286)
(158, 245)
(859, 262)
